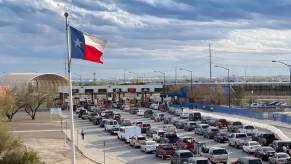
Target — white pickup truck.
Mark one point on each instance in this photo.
(238, 139)
(215, 154)
(248, 129)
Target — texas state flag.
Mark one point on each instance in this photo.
(87, 47)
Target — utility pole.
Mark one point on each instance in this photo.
(175, 75)
(124, 76)
(94, 76)
(66, 66)
(210, 63)
(289, 66)
(191, 83)
(228, 81)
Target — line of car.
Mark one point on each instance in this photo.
(165, 143)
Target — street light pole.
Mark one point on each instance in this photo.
(228, 81)
(164, 82)
(191, 85)
(289, 66)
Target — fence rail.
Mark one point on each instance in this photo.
(282, 117)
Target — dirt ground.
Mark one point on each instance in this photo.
(44, 136)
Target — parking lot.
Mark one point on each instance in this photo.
(118, 149)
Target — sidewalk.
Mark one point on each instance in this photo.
(283, 128)
(90, 148)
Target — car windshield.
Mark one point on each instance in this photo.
(241, 135)
(254, 143)
(283, 156)
(192, 123)
(171, 136)
(249, 127)
(202, 161)
(168, 147)
(186, 155)
(267, 149)
(269, 136)
(146, 125)
(141, 138)
(161, 133)
(151, 143)
(205, 126)
(214, 130)
(219, 151)
(255, 161)
(236, 123)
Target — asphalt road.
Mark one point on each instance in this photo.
(119, 149)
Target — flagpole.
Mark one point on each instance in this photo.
(70, 90)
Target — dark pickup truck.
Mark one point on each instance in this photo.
(264, 139)
(221, 123)
(165, 151)
(171, 138)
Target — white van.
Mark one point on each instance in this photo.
(140, 112)
(127, 132)
(111, 126)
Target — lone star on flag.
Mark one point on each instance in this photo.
(78, 43)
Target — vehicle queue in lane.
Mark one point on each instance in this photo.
(165, 134)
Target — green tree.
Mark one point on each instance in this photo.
(12, 151)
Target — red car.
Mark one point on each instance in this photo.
(221, 123)
(165, 151)
(186, 143)
(264, 152)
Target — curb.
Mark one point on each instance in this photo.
(81, 152)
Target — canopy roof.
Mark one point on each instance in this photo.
(23, 79)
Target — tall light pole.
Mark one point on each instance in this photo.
(191, 85)
(136, 76)
(228, 81)
(164, 82)
(80, 77)
(289, 66)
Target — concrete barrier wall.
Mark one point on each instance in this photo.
(240, 111)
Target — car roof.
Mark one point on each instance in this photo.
(217, 148)
(182, 151)
(249, 157)
(281, 153)
(198, 158)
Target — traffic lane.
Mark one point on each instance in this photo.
(113, 146)
(234, 153)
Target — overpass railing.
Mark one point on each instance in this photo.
(283, 117)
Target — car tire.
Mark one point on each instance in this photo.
(163, 157)
(156, 155)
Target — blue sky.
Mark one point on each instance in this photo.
(147, 35)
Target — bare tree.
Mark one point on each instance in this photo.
(32, 102)
(9, 105)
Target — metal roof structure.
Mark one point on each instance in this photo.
(43, 80)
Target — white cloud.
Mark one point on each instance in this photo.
(168, 4)
(256, 41)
